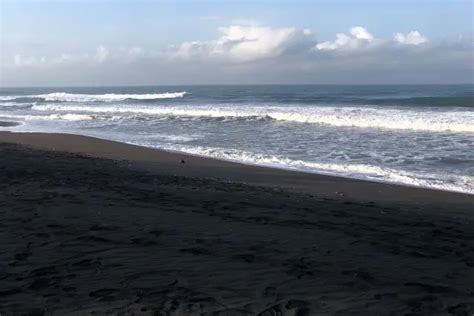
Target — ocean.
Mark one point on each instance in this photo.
(418, 135)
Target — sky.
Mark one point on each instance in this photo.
(159, 42)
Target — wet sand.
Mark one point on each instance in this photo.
(97, 227)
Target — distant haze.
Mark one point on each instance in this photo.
(94, 43)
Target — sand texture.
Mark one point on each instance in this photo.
(83, 235)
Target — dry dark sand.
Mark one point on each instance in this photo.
(142, 233)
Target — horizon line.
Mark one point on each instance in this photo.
(242, 84)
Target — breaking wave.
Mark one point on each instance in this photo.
(361, 117)
(109, 97)
(463, 184)
(53, 117)
(18, 105)
(453, 101)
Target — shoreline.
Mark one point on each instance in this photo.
(316, 172)
(169, 162)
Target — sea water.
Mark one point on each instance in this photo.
(420, 135)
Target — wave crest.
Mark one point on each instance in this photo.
(463, 184)
(109, 97)
(451, 101)
(361, 117)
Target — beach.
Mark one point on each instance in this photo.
(91, 226)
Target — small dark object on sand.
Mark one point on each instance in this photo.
(182, 161)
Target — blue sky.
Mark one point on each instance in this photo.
(35, 34)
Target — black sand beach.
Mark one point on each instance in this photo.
(97, 227)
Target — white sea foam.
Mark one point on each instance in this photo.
(362, 117)
(52, 117)
(150, 140)
(75, 117)
(361, 171)
(16, 104)
(109, 97)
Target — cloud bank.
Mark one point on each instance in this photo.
(250, 53)
(239, 43)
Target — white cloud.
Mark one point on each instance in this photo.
(21, 61)
(411, 38)
(102, 54)
(357, 37)
(131, 54)
(341, 41)
(361, 33)
(63, 58)
(189, 50)
(240, 43)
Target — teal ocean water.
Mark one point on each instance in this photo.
(420, 135)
